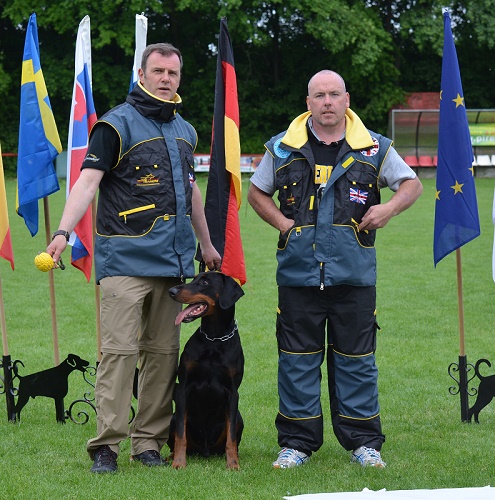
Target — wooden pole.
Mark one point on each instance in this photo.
(97, 289)
(56, 355)
(460, 304)
(3, 323)
(463, 384)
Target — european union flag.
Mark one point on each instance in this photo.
(39, 143)
(456, 209)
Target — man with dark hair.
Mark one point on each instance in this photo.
(140, 157)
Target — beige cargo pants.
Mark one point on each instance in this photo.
(137, 329)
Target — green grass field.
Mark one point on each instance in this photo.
(427, 445)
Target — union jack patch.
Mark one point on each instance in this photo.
(373, 150)
(191, 179)
(358, 196)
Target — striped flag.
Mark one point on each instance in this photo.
(39, 143)
(456, 209)
(141, 34)
(223, 194)
(5, 240)
(82, 118)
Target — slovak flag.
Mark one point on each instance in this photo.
(82, 118)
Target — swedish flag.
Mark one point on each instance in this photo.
(39, 143)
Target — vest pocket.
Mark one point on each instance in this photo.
(355, 193)
(296, 263)
(134, 211)
(289, 186)
(148, 178)
(138, 221)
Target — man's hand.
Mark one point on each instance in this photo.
(56, 247)
(378, 215)
(211, 257)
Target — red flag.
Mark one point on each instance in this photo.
(5, 239)
(223, 194)
(82, 118)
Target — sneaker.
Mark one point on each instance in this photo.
(105, 460)
(289, 457)
(150, 458)
(367, 457)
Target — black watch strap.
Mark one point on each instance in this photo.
(61, 232)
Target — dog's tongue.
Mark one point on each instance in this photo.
(186, 312)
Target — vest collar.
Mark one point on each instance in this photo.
(153, 107)
(356, 134)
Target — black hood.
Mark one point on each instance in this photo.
(153, 107)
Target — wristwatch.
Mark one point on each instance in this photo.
(61, 232)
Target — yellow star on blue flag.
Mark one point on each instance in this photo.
(456, 210)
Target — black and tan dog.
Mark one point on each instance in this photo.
(207, 419)
(51, 383)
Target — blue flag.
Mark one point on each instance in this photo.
(39, 143)
(456, 209)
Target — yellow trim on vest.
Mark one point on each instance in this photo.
(135, 210)
(348, 162)
(356, 134)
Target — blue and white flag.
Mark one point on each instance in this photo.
(141, 33)
(82, 119)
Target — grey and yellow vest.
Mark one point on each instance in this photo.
(144, 207)
(325, 246)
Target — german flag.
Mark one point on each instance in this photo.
(223, 193)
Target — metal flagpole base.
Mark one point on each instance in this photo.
(8, 388)
(462, 381)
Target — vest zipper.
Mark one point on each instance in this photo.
(134, 211)
(322, 275)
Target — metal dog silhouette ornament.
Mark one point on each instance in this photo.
(486, 391)
(50, 383)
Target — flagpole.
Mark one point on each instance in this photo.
(5, 344)
(97, 291)
(52, 286)
(6, 362)
(463, 385)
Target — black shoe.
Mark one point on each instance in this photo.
(150, 458)
(105, 460)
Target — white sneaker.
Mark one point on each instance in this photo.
(288, 457)
(368, 457)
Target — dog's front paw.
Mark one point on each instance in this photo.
(233, 464)
(178, 465)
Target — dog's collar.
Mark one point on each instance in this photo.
(221, 339)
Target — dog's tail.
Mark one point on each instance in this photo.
(477, 367)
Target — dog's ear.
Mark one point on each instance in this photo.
(231, 293)
(71, 360)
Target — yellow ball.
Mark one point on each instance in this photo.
(44, 262)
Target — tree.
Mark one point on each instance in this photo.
(383, 48)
